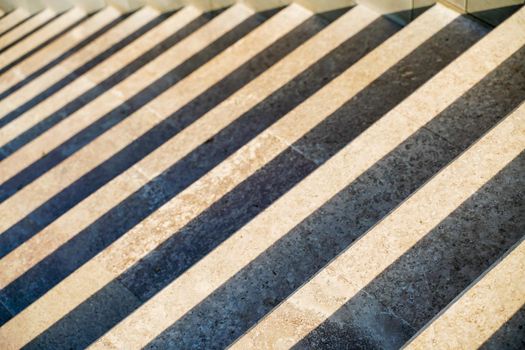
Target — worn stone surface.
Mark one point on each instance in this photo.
(279, 203)
(25, 28)
(52, 53)
(12, 19)
(49, 32)
(390, 241)
(488, 315)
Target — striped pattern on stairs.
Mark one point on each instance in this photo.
(261, 180)
(12, 19)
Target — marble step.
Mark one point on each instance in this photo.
(48, 32)
(341, 301)
(52, 53)
(23, 30)
(482, 316)
(415, 36)
(149, 114)
(123, 50)
(12, 19)
(185, 296)
(295, 184)
(295, 70)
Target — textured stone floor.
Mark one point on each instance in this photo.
(279, 179)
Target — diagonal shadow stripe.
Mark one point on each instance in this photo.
(148, 199)
(422, 282)
(161, 133)
(32, 31)
(7, 118)
(120, 113)
(17, 24)
(510, 335)
(42, 45)
(241, 205)
(87, 97)
(290, 262)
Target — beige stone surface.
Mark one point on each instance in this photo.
(351, 271)
(95, 75)
(55, 49)
(267, 227)
(104, 103)
(27, 255)
(12, 18)
(118, 257)
(27, 199)
(25, 28)
(42, 35)
(481, 310)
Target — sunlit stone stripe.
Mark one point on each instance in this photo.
(49, 239)
(42, 35)
(101, 71)
(220, 265)
(12, 19)
(125, 89)
(24, 29)
(351, 271)
(478, 313)
(44, 56)
(139, 122)
(178, 212)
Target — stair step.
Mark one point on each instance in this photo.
(51, 53)
(125, 49)
(272, 179)
(25, 29)
(367, 259)
(11, 20)
(150, 114)
(472, 320)
(142, 233)
(55, 27)
(299, 62)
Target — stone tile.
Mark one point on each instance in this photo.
(359, 324)
(79, 91)
(159, 160)
(489, 315)
(50, 30)
(63, 43)
(106, 103)
(392, 237)
(89, 321)
(388, 90)
(360, 75)
(492, 98)
(216, 224)
(5, 315)
(510, 334)
(81, 58)
(453, 254)
(12, 19)
(25, 28)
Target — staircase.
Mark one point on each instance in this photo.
(261, 175)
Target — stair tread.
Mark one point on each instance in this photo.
(54, 27)
(61, 45)
(12, 19)
(113, 64)
(55, 49)
(25, 28)
(152, 166)
(482, 309)
(368, 257)
(273, 183)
